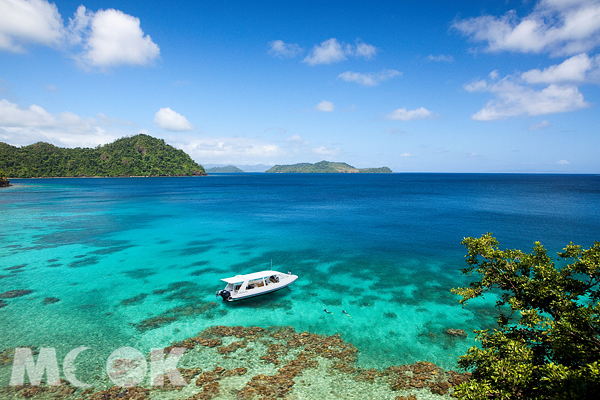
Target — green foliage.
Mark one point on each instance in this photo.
(228, 169)
(139, 155)
(2, 174)
(547, 344)
(324, 167)
(382, 170)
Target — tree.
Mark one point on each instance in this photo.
(547, 343)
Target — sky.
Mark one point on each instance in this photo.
(418, 86)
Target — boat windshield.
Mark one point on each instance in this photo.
(233, 287)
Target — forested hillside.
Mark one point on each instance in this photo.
(326, 167)
(139, 155)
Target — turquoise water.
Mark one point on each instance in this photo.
(136, 262)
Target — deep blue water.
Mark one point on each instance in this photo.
(385, 248)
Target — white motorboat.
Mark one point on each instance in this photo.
(243, 286)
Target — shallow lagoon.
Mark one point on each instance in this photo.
(136, 262)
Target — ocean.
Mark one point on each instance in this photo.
(136, 262)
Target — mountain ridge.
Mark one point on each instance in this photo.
(138, 155)
(326, 167)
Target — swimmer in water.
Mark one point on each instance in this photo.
(328, 312)
(344, 312)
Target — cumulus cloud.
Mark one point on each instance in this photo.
(29, 21)
(100, 39)
(369, 79)
(112, 38)
(402, 114)
(513, 99)
(11, 115)
(331, 51)
(440, 58)
(363, 50)
(563, 162)
(556, 27)
(171, 121)
(278, 48)
(579, 68)
(26, 125)
(325, 106)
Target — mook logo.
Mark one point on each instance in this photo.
(125, 367)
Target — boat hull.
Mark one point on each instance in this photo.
(248, 295)
(255, 284)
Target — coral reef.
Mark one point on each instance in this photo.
(15, 293)
(134, 300)
(254, 363)
(50, 300)
(173, 315)
(456, 332)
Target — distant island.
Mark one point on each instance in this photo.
(222, 170)
(326, 167)
(139, 155)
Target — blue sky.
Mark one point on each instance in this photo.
(427, 86)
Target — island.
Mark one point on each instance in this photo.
(326, 167)
(230, 169)
(139, 155)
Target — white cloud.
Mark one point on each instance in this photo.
(172, 121)
(228, 150)
(369, 79)
(327, 52)
(563, 162)
(579, 68)
(364, 50)
(284, 50)
(405, 155)
(476, 86)
(555, 26)
(402, 114)
(113, 38)
(331, 51)
(29, 21)
(513, 99)
(97, 39)
(539, 125)
(24, 126)
(11, 115)
(440, 58)
(325, 106)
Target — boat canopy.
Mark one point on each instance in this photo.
(249, 277)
